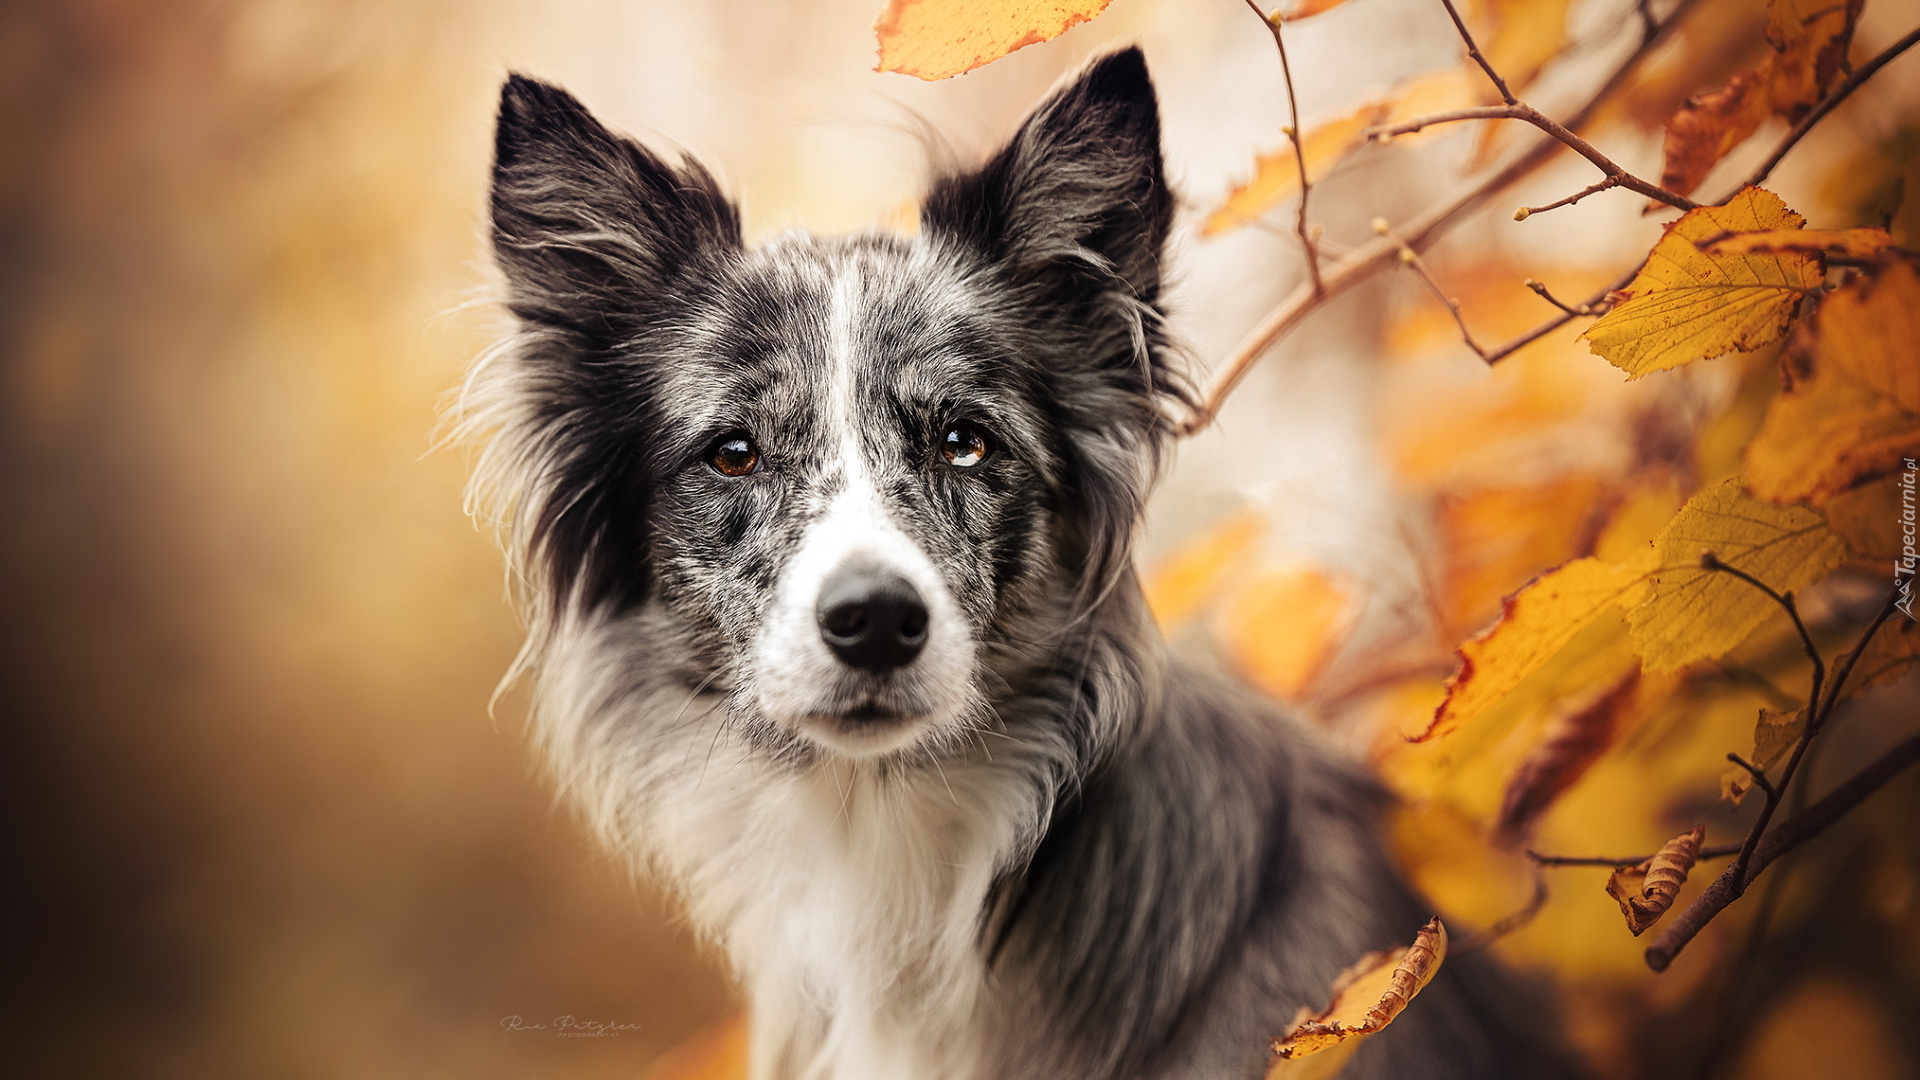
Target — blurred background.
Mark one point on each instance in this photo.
(260, 819)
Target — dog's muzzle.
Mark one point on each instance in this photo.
(871, 618)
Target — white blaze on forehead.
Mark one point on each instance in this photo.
(797, 672)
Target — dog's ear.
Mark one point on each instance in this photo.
(591, 229)
(1079, 197)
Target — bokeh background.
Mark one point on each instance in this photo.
(260, 820)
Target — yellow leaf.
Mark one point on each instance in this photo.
(1494, 540)
(1688, 305)
(1851, 243)
(1538, 622)
(1281, 626)
(1276, 175)
(1693, 613)
(1774, 736)
(1851, 410)
(1647, 890)
(1368, 996)
(938, 39)
(1888, 657)
(1526, 34)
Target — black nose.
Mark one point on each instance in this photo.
(872, 618)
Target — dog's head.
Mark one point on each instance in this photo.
(835, 479)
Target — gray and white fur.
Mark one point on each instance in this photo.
(825, 547)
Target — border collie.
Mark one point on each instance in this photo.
(826, 554)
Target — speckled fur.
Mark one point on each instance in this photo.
(1069, 857)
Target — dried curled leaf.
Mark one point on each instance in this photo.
(1808, 42)
(1571, 746)
(938, 39)
(1538, 621)
(1693, 613)
(1849, 243)
(1851, 409)
(1774, 736)
(1368, 996)
(1687, 304)
(1648, 889)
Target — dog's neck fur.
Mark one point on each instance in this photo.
(856, 901)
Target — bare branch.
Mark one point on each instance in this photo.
(1719, 852)
(1369, 258)
(1759, 776)
(1827, 104)
(1520, 110)
(1540, 289)
(1307, 238)
(1412, 261)
(1731, 883)
(1473, 50)
(1507, 923)
(1594, 188)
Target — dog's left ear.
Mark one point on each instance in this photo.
(1079, 197)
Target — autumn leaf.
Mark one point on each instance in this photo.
(1276, 175)
(1888, 658)
(1538, 622)
(938, 39)
(1306, 9)
(1687, 304)
(1851, 409)
(1645, 891)
(1808, 42)
(1526, 34)
(1193, 575)
(1694, 613)
(1849, 243)
(1366, 998)
(1774, 736)
(1570, 747)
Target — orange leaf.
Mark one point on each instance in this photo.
(1851, 409)
(938, 39)
(1307, 9)
(1808, 39)
(1190, 577)
(1647, 890)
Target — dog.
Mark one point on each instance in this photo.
(825, 548)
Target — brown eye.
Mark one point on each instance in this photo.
(734, 454)
(965, 446)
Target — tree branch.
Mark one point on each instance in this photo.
(1719, 852)
(1307, 239)
(1369, 258)
(1520, 110)
(1473, 50)
(1827, 104)
(1731, 883)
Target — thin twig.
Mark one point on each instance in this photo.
(1508, 923)
(1412, 261)
(1370, 258)
(1594, 188)
(1540, 289)
(1759, 776)
(1307, 239)
(1597, 304)
(1731, 884)
(1473, 50)
(1520, 110)
(1720, 852)
(1827, 104)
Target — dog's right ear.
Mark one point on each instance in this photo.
(590, 229)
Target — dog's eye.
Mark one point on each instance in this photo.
(965, 446)
(734, 454)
